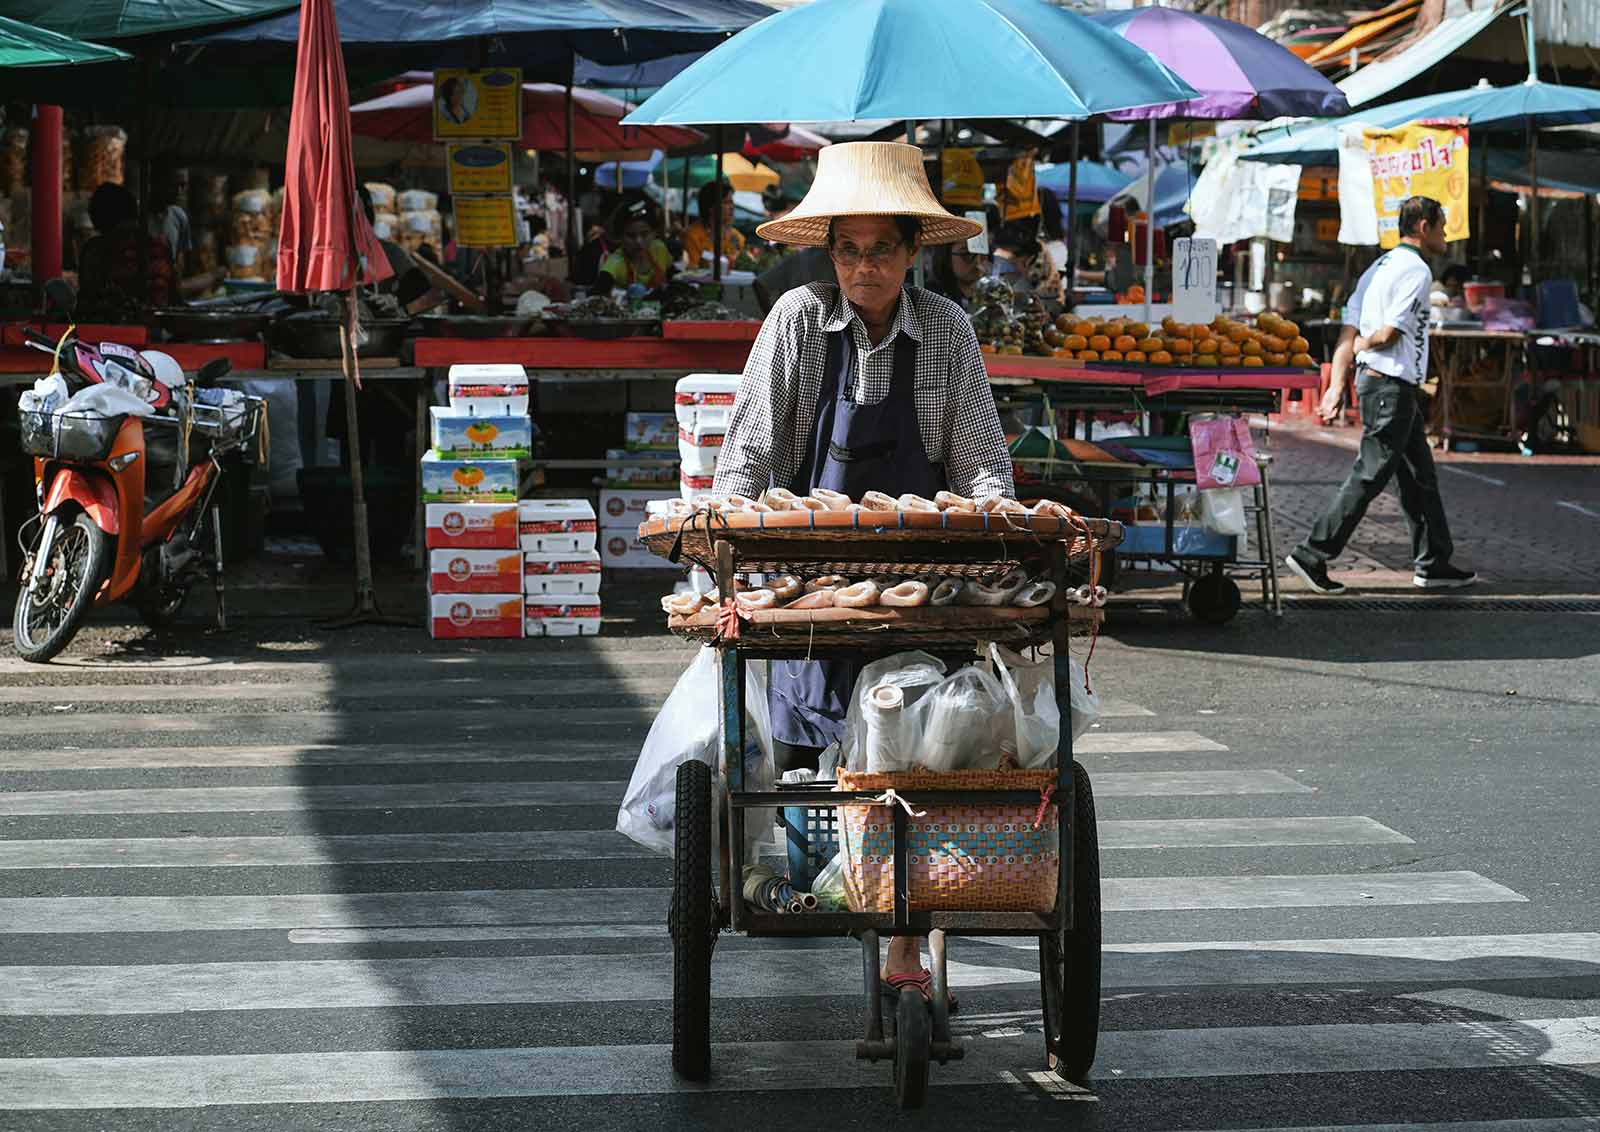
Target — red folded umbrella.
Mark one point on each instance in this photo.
(325, 243)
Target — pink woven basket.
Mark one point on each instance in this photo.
(967, 858)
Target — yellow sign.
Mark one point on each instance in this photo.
(1418, 159)
(482, 168)
(1019, 196)
(1182, 133)
(485, 222)
(963, 179)
(477, 104)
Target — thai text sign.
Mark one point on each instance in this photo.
(1426, 159)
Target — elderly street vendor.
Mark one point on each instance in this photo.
(864, 385)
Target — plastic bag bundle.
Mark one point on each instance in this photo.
(1222, 509)
(880, 731)
(1030, 687)
(689, 727)
(963, 722)
(828, 886)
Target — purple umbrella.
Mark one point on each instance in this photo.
(1239, 72)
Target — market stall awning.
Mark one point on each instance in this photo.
(407, 115)
(847, 60)
(1238, 72)
(23, 45)
(541, 36)
(1097, 182)
(1537, 105)
(128, 19)
(1440, 41)
(1172, 193)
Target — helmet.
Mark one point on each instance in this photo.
(166, 368)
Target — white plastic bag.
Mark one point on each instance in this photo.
(1222, 510)
(1030, 685)
(107, 401)
(884, 738)
(964, 722)
(689, 726)
(828, 886)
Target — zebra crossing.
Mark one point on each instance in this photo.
(385, 892)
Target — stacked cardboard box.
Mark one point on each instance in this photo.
(560, 567)
(703, 405)
(623, 506)
(469, 492)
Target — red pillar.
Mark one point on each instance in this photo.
(46, 249)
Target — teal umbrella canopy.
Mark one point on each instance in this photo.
(855, 60)
(23, 45)
(1527, 105)
(128, 19)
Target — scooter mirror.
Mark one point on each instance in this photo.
(214, 371)
(59, 295)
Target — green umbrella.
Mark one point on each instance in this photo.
(23, 45)
(126, 19)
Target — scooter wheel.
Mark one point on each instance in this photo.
(48, 615)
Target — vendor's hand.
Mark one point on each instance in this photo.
(1332, 405)
(1361, 344)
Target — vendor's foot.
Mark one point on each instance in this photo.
(895, 982)
(1314, 574)
(1446, 577)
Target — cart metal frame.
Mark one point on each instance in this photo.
(1069, 934)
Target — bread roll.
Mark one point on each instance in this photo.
(820, 599)
(950, 501)
(947, 591)
(857, 596)
(786, 587)
(757, 599)
(779, 499)
(1034, 593)
(827, 582)
(905, 595)
(878, 501)
(833, 500)
(909, 502)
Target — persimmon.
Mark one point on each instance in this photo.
(1125, 342)
(1100, 343)
(1076, 342)
(1251, 362)
(1205, 359)
(1134, 356)
(1149, 345)
(1088, 355)
(1083, 328)
(1251, 349)
(1161, 358)
(1302, 361)
(1277, 359)
(1180, 347)
(1111, 356)
(1227, 348)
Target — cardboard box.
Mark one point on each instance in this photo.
(622, 550)
(627, 508)
(561, 573)
(459, 435)
(691, 485)
(548, 615)
(556, 526)
(705, 396)
(496, 390)
(474, 571)
(651, 432)
(471, 526)
(473, 616)
(661, 470)
(468, 481)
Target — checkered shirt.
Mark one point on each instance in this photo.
(777, 400)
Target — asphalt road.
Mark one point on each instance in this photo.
(278, 881)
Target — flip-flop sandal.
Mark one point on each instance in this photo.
(917, 980)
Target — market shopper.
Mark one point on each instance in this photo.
(860, 385)
(116, 277)
(1391, 357)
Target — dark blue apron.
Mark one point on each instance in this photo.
(854, 449)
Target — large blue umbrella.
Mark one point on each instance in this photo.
(1097, 183)
(1527, 105)
(541, 36)
(854, 60)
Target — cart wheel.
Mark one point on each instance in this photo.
(693, 924)
(1214, 599)
(912, 1035)
(1069, 961)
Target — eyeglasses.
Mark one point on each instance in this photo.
(848, 255)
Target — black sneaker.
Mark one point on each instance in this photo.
(1445, 577)
(1314, 574)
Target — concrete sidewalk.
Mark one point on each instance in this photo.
(1528, 525)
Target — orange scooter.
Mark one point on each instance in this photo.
(96, 541)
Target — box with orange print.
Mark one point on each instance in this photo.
(471, 526)
(460, 435)
(474, 571)
(468, 481)
(473, 616)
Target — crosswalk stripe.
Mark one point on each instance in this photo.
(465, 689)
(328, 726)
(243, 799)
(339, 984)
(352, 1077)
(489, 907)
(359, 754)
(571, 845)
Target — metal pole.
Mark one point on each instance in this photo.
(1072, 220)
(572, 167)
(1483, 211)
(917, 270)
(716, 226)
(1150, 220)
(1533, 211)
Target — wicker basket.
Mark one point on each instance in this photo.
(967, 858)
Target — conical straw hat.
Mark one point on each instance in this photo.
(868, 179)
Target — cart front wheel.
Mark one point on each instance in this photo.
(1069, 961)
(912, 1038)
(1214, 599)
(693, 924)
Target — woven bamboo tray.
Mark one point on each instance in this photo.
(867, 542)
(821, 631)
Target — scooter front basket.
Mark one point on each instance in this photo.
(69, 436)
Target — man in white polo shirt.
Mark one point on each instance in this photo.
(1391, 352)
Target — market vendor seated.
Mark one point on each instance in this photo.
(113, 284)
(697, 240)
(640, 257)
(865, 384)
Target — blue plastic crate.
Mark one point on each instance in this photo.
(812, 836)
(1188, 541)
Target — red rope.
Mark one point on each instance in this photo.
(1044, 804)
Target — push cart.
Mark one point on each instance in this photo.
(707, 896)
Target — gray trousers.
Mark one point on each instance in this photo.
(1393, 443)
